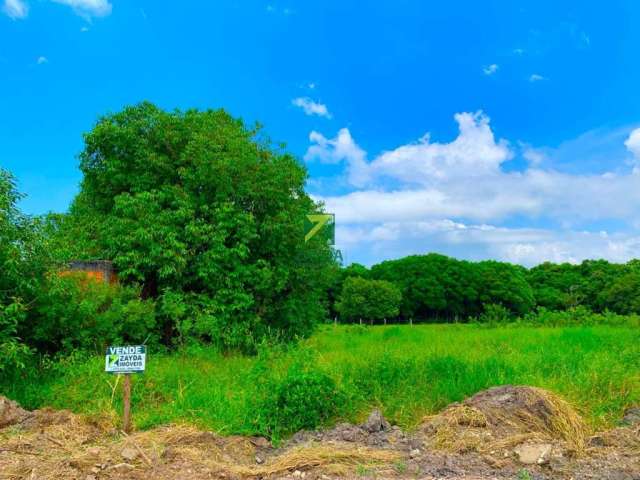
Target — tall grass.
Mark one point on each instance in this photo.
(406, 371)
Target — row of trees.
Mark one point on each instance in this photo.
(438, 288)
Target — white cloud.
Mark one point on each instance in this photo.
(340, 148)
(534, 156)
(84, 29)
(474, 152)
(518, 51)
(633, 143)
(456, 198)
(15, 9)
(88, 8)
(311, 107)
(535, 77)
(490, 69)
(42, 60)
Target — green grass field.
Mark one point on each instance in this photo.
(407, 371)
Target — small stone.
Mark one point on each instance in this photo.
(532, 454)
(297, 473)
(261, 442)
(129, 453)
(414, 453)
(95, 470)
(259, 460)
(90, 477)
(631, 416)
(376, 422)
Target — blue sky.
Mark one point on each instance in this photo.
(476, 129)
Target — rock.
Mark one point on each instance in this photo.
(11, 413)
(533, 454)
(90, 477)
(95, 451)
(260, 442)
(414, 453)
(376, 422)
(259, 460)
(631, 416)
(596, 441)
(297, 473)
(129, 453)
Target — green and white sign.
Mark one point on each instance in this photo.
(128, 359)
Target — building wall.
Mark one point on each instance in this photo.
(100, 270)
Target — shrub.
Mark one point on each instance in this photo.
(494, 313)
(13, 353)
(304, 398)
(76, 312)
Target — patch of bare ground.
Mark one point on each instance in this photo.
(504, 432)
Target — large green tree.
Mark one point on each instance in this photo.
(369, 300)
(21, 269)
(207, 216)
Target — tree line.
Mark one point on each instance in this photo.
(437, 288)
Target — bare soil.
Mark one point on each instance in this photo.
(502, 433)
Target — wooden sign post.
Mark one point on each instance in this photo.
(126, 399)
(125, 361)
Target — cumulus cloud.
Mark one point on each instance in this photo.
(15, 9)
(633, 143)
(459, 194)
(536, 77)
(337, 149)
(490, 69)
(88, 8)
(474, 152)
(42, 60)
(311, 107)
(534, 156)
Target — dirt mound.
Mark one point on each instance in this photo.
(495, 434)
(11, 413)
(508, 417)
(48, 444)
(375, 432)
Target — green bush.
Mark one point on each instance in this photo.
(303, 398)
(13, 353)
(494, 314)
(74, 312)
(579, 316)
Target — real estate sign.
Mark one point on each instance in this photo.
(127, 359)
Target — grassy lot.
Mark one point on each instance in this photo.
(342, 372)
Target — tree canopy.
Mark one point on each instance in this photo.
(369, 300)
(207, 217)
